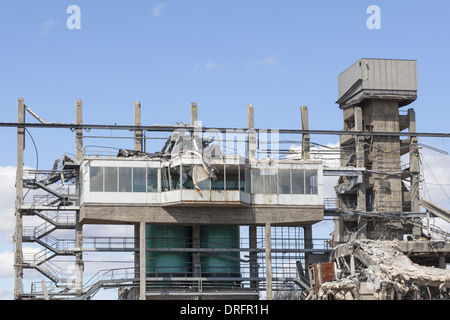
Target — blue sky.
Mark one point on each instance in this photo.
(276, 55)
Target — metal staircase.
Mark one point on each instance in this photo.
(60, 190)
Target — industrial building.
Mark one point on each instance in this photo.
(225, 213)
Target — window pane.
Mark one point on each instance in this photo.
(96, 178)
(110, 179)
(284, 181)
(139, 179)
(175, 178)
(311, 181)
(257, 181)
(247, 182)
(125, 179)
(152, 180)
(298, 182)
(165, 179)
(232, 182)
(242, 178)
(270, 181)
(218, 184)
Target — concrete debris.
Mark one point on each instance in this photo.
(378, 270)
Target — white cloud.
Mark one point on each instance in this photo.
(46, 27)
(157, 10)
(209, 66)
(212, 66)
(271, 61)
(6, 264)
(7, 201)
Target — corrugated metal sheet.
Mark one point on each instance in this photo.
(379, 74)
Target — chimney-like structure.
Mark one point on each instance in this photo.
(371, 95)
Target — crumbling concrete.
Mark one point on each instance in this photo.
(378, 270)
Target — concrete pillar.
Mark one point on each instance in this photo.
(306, 149)
(360, 159)
(18, 253)
(196, 255)
(442, 263)
(268, 261)
(194, 114)
(79, 132)
(414, 168)
(137, 147)
(308, 243)
(251, 147)
(138, 141)
(253, 257)
(142, 262)
(79, 265)
(196, 263)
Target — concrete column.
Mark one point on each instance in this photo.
(253, 257)
(307, 235)
(414, 168)
(194, 123)
(196, 255)
(79, 132)
(194, 114)
(142, 262)
(137, 147)
(137, 122)
(442, 263)
(306, 149)
(18, 253)
(268, 261)
(79, 265)
(251, 134)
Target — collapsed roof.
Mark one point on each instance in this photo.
(378, 270)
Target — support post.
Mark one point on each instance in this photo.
(251, 146)
(195, 124)
(137, 147)
(196, 255)
(253, 257)
(268, 261)
(18, 253)
(79, 265)
(137, 122)
(306, 149)
(414, 170)
(142, 262)
(360, 162)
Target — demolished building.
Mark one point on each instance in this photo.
(190, 201)
(379, 270)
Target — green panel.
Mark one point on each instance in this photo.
(168, 263)
(219, 263)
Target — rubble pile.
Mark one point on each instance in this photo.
(378, 270)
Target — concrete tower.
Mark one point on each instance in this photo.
(371, 95)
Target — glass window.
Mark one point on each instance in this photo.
(110, 179)
(284, 181)
(139, 183)
(232, 177)
(96, 178)
(165, 179)
(175, 178)
(219, 184)
(125, 180)
(270, 180)
(152, 180)
(311, 181)
(247, 180)
(298, 182)
(257, 181)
